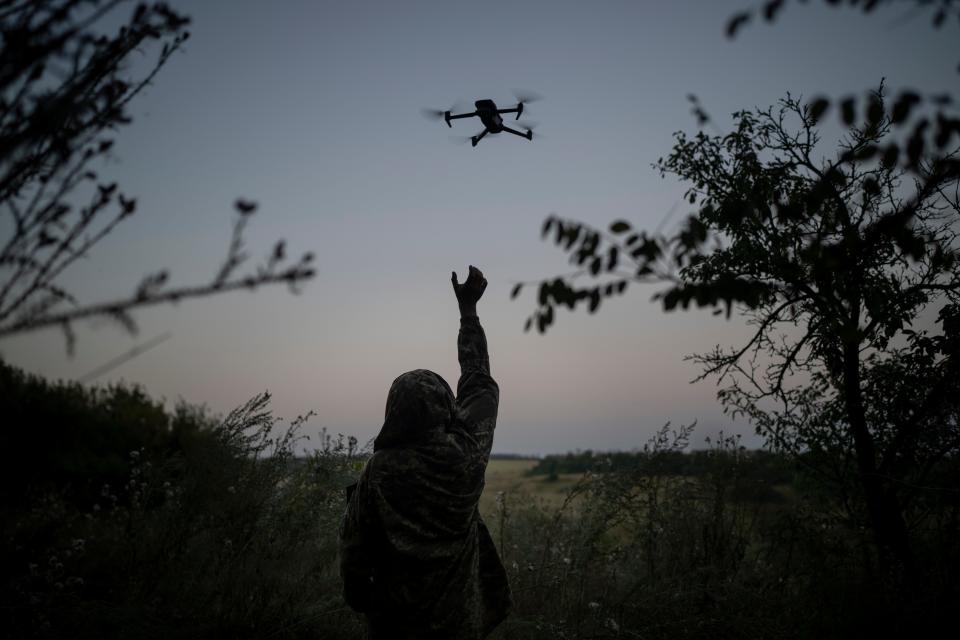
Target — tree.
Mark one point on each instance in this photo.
(831, 260)
(64, 92)
(845, 253)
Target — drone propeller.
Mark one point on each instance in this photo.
(464, 139)
(432, 114)
(526, 96)
(439, 114)
(459, 139)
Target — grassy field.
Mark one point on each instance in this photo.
(510, 477)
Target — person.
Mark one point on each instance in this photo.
(415, 555)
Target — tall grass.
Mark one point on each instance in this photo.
(638, 553)
(231, 537)
(215, 528)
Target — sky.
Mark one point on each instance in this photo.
(312, 109)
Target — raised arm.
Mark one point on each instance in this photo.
(477, 393)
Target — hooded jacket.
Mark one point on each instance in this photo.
(415, 555)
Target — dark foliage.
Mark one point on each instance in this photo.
(832, 258)
(73, 439)
(120, 519)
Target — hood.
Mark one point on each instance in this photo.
(420, 405)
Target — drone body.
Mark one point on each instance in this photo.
(489, 115)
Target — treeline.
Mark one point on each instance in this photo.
(756, 464)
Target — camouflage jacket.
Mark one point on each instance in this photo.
(415, 555)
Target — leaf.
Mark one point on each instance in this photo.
(737, 22)
(901, 108)
(890, 155)
(613, 258)
(875, 111)
(945, 128)
(45, 239)
(771, 9)
(916, 144)
(620, 226)
(129, 205)
(817, 108)
(245, 207)
(527, 324)
(848, 111)
(594, 300)
(670, 299)
(516, 290)
(279, 251)
(571, 234)
(595, 265)
(547, 225)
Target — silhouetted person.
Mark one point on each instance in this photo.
(415, 556)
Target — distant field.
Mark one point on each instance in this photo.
(510, 477)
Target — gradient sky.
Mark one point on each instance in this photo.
(312, 109)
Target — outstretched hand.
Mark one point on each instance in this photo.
(470, 291)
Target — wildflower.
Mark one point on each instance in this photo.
(231, 489)
(78, 544)
(96, 507)
(593, 606)
(612, 625)
(134, 454)
(74, 581)
(567, 561)
(515, 566)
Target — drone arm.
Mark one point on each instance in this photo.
(477, 138)
(517, 110)
(528, 135)
(462, 115)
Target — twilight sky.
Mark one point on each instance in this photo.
(312, 110)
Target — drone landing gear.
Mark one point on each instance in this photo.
(528, 135)
(477, 138)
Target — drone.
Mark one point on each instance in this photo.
(489, 115)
